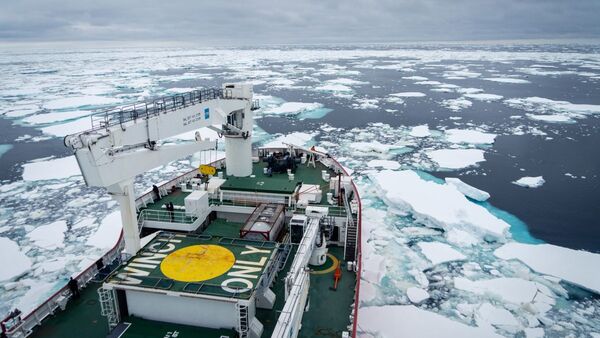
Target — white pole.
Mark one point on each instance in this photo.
(123, 193)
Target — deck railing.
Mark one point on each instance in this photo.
(155, 107)
(176, 216)
(24, 327)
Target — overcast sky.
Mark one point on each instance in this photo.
(246, 22)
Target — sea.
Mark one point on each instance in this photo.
(493, 115)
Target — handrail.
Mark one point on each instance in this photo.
(358, 260)
(176, 180)
(35, 316)
(176, 216)
(123, 114)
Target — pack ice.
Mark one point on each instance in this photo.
(436, 205)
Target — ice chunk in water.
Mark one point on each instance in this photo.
(417, 295)
(438, 205)
(13, 261)
(576, 266)
(51, 169)
(469, 136)
(438, 253)
(530, 182)
(456, 158)
(49, 236)
(411, 321)
(467, 190)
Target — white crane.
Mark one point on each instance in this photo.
(126, 142)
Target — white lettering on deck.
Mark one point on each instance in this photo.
(244, 271)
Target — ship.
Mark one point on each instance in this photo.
(264, 242)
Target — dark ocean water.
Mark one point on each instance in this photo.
(563, 211)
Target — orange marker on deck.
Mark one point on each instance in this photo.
(336, 276)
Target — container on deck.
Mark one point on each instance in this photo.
(265, 223)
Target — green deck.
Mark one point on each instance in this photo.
(223, 228)
(328, 314)
(329, 310)
(142, 328)
(150, 260)
(279, 182)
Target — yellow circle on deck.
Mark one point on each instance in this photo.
(197, 263)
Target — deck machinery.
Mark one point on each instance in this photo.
(232, 250)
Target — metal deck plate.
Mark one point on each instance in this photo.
(197, 264)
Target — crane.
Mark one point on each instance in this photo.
(126, 142)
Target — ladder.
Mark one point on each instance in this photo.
(243, 325)
(108, 307)
(351, 233)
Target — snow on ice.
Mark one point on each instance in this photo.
(437, 205)
(13, 261)
(420, 131)
(438, 253)
(530, 182)
(108, 232)
(467, 190)
(469, 136)
(575, 266)
(49, 236)
(51, 169)
(409, 321)
(456, 158)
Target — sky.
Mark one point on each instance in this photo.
(257, 22)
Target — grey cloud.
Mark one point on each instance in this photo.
(299, 21)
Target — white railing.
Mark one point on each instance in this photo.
(24, 327)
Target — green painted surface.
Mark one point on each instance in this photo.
(327, 316)
(176, 196)
(269, 317)
(141, 328)
(81, 318)
(223, 228)
(278, 183)
(150, 258)
(329, 310)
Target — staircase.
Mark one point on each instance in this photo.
(243, 325)
(108, 307)
(351, 233)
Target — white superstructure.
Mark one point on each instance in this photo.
(127, 142)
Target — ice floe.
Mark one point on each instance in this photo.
(467, 190)
(410, 321)
(420, 131)
(292, 108)
(51, 169)
(438, 253)
(551, 118)
(437, 205)
(575, 266)
(530, 182)
(408, 94)
(484, 97)
(55, 117)
(456, 158)
(68, 128)
(107, 234)
(417, 295)
(50, 236)
(80, 101)
(469, 136)
(457, 104)
(14, 262)
(548, 110)
(508, 289)
(506, 80)
(385, 164)
(297, 138)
